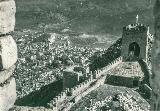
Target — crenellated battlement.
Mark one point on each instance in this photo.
(135, 28)
(81, 87)
(99, 72)
(57, 102)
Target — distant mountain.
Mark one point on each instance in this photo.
(88, 16)
(108, 6)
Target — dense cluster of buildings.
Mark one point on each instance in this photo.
(42, 58)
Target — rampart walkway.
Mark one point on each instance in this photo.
(69, 101)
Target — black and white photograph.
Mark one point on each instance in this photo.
(79, 55)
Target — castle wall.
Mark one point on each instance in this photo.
(58, 100)
(8, 55)
(5, 74)
(146, 90)
(81, 87)
(70, 79)
(70, 96)
(7, 94)
(122, 81)
(138, 35)
(103, 70)
(7, 16)
(96, 84)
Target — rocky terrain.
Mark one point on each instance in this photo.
(115, 97)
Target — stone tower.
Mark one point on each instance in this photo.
(135, 42)
(8, 54)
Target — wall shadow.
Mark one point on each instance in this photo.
(41, 97)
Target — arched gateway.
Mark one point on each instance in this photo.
(135, 42)
(133, 51)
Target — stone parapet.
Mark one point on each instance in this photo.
(7, 94)
(8, 55)
(6, 74)
(7, 16)
(8, 52)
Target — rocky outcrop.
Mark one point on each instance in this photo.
(8, 55)
(155, 83)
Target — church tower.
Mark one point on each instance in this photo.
(135, 42)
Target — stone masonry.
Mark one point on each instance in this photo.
(154, 81)
(8, 55)
(138, 34)
(7, 16)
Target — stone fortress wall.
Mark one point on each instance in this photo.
(76, 93)
(81, 87)
(8, 54)
(98, 73)
(70, 96)
(138, 33)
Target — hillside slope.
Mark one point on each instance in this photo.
(102, 16)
